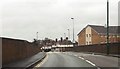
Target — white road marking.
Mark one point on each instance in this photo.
(46, 58)
(86, 60)
(81, 58)
(98, 68)
(75, 55)
(90, 62)
(41, 63)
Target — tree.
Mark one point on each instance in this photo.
(61, 39)
(66, 38)
(56, 40)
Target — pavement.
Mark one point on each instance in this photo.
(27, 62)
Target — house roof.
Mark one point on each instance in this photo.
(102, 30)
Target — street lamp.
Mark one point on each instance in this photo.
(73, 31)
(107, 27)
(68, 34)
(64, 35)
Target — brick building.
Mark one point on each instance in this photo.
(93, 34)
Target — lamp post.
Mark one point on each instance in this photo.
(64, 35)
(107, 27)
(73, 31)
(68, 34)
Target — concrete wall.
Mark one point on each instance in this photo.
(14, 50)
(114, 48)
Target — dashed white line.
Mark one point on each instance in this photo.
(90, 62)
(86, 61)
(98, 68)
(81, 58)
(75, 55)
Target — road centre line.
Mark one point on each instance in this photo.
(81, 58)
(75, 55)
(86, 61)
(90, 62)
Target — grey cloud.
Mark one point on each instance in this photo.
(51, 18)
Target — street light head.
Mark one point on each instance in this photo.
(72, 18)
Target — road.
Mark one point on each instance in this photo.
(99, 60)
(59, 59)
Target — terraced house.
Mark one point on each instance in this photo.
(93, 34)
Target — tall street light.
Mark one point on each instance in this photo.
(64, 35)
(73, 31)
(68, 34)
(107, 27)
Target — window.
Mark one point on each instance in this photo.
(86, 43)
(89, 35)
(86, 35)
(90, 42)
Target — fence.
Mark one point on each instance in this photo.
(14, 50)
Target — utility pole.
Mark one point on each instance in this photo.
(37, 35)
(73, 31)
(68, 34)
(64, 35)
(107, 27)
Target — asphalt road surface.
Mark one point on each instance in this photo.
(99, 60)
(57, 59)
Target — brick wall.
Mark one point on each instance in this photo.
(95, 37)
(81, 37)
(14, 50)
(114, 48)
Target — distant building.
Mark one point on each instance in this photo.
(65, 41)
(93, 34)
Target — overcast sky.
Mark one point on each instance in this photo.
(51, 18)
